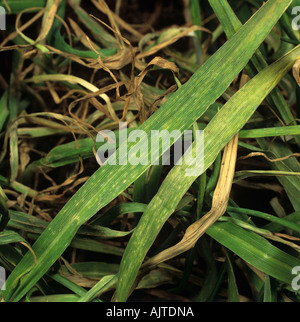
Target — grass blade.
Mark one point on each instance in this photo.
(255, 250)
(229, 120)
(181, 110)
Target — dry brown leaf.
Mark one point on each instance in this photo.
(48, 20)
(296, 71)
(137, 93)
(219, 205)
(115, 19)
(82, 35)
(169, 42)
(256, 154)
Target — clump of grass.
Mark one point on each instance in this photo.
(74, 231)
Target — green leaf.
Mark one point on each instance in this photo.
(226, 123)
(231, 24)
(9, 236)
(267, 290)
(180, 111)
(255, 250)
(16, 6)
(233, 293)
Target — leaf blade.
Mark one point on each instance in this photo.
(179, 112)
